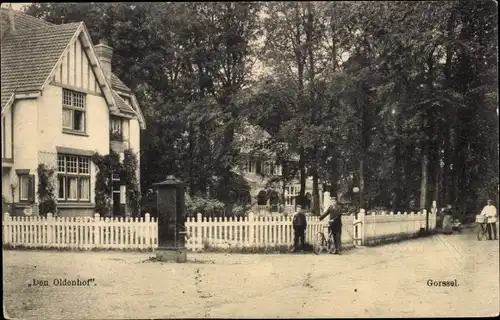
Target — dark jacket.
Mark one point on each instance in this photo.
(335, 217)
(299, 220)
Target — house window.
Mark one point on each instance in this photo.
(73, 176)
(290, 193)
(250, 167)
(258, 167)
(276, 170)
(73, 111)
(26, 188)
(115, 127)
(115, 176)
(264, 168)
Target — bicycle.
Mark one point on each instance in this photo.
(482, 229)
(322, 243)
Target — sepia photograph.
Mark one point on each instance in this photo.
(254, 159)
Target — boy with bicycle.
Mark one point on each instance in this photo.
(335, 223)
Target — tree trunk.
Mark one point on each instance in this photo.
(361, 183)
(447, 181)
(423, 182)
(315, 204)
(302, 167)
(191, 139)
(333, 174)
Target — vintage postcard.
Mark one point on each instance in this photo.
(250, 159)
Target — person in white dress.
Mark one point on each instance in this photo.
(491, 213)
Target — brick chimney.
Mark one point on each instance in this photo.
(104, 54)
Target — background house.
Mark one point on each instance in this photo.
(260, 168)
(61, 103)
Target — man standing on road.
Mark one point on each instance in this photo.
(299, 227)
(335, 223)
(491, 212)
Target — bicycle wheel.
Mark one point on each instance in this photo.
(319, 243)
(331, 245)
(480, 232)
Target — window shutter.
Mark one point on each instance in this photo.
(31, 188)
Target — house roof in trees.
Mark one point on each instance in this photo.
(21, 21)
(31, 49)
(122, 105)
(117, 84)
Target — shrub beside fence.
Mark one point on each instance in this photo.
(80, 232)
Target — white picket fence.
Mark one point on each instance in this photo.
(80, 232)
(270, 231)
(378, 225)
(250, 231)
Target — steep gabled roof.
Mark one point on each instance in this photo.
(28, 57)
(30, 52)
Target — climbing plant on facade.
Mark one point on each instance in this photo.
(106, 165)
(129, 177)
(46, 190)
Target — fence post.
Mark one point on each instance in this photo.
(326, 200)
(361, 228)
(147, 222)
(6, 228)
(97, 240)
(251, 219)
(426, 224)
(50, 229)
(434, 215)
(199, 224)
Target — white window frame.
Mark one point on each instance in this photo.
(81, 169)
(74, 101)
(250, 166)
(22, 196)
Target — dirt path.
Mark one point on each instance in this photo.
(389, 280)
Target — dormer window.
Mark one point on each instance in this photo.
(115, 128)
(74, 109)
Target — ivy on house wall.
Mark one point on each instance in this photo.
(46, 190)
(106, 165)
(129, 177)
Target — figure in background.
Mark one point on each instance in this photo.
(299, 222)
(491, 212)
(335, 223)
(448, 219)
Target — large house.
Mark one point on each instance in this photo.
(61, 103)
(259, 169)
